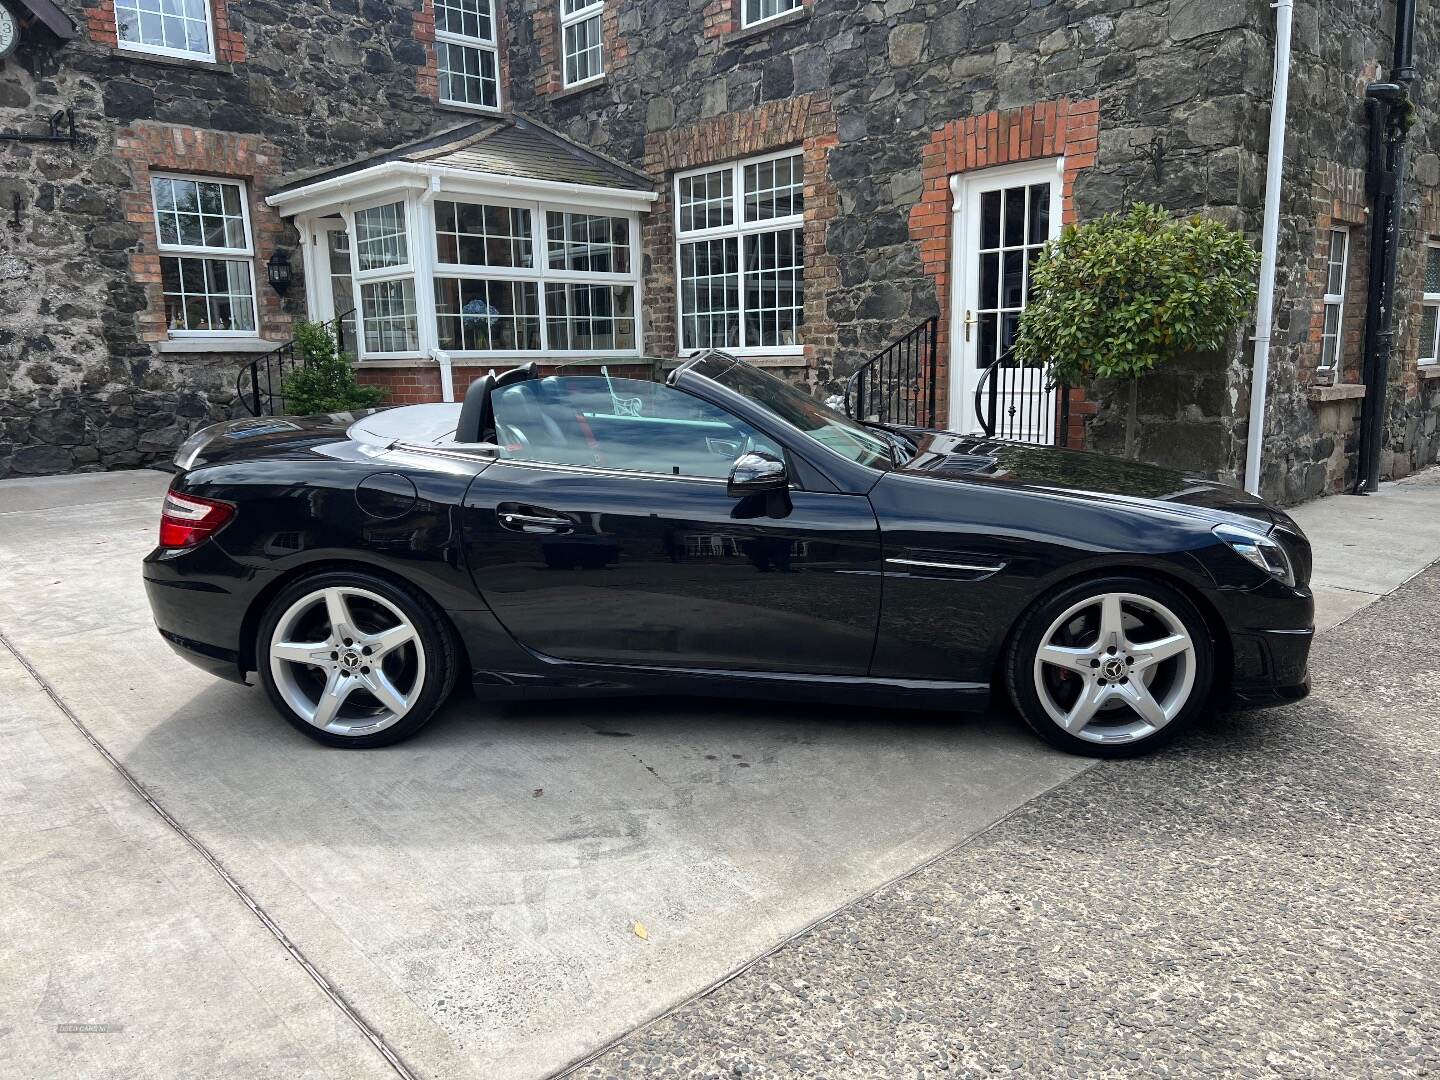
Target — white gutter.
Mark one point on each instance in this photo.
(1269, 238)
(418, 175)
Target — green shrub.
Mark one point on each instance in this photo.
(1119, 295)
(324, 382)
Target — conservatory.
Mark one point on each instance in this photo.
(498, 240)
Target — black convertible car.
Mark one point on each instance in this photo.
(715, 531)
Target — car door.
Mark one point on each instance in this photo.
(605, 534)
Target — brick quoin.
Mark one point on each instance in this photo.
(1050, 129)
(229, 42)
(805, 122)
(726, 16)
(151, 148)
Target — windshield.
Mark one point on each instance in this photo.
(839, 433)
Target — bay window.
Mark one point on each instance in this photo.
(389, 314)
(584, 57)
(523, 277)
(741, 255)
(466, 55)
(202, 231)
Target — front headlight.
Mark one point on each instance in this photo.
(1257, 548)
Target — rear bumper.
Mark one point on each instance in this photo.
(200, 599)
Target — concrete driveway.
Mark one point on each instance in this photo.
(464, 905)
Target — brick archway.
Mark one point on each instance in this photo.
(1064, 128)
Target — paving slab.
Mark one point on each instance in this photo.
(475, 892)
(1262, 899)
(124, 955)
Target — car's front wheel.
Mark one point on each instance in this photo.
(355, 660)
(1111, 667)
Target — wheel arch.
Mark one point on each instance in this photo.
(250, 625)
(1224, 653)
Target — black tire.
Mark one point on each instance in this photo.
(433, 635)
(1026, 640)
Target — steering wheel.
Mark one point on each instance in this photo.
(508, 434)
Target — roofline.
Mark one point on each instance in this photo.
(410, 175)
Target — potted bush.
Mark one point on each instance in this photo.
(1120, 295)
(323, 381)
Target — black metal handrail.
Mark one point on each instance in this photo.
(1030, 394)
(259, 385)
(898, 384)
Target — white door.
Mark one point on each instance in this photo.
(335, 292)
(1003, 216)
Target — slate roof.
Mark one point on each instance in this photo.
(510, 145)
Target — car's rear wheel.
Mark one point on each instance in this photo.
(355, 660)
(1111, 667)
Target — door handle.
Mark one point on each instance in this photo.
(534, 520)
(970, 321)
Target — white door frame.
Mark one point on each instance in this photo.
(965, 189)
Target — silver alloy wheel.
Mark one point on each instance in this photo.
(1115, 668)
(347, 660)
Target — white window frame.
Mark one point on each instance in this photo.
(740, 228)
(208, 56)
(244, 254)
(490, 45)
(410, 270)
(540, 273)
(1429, 300)
(1335, 300)
(746, 22)
(593, 10)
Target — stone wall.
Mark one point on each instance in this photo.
(297, 86)
(1312, 438)
(1180, 92)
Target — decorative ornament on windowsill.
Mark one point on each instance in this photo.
(9, 31)
(277, 271)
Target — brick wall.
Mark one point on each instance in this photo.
(150, 148)
(1068, 129)
(805, 122)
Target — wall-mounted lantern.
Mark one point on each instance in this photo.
(277, 270)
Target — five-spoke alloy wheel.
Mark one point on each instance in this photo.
(1111, 666)
(355, 660)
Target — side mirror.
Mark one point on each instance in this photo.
(757, 473)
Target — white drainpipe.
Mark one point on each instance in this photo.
(1265, 302)
(447, 383)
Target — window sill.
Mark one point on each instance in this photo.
(172, 61)
(1338, 392)
(468, 110)
(1428, 371)
(217, 345)
(580, 88)
(790, 18)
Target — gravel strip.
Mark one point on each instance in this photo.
(1260, 900)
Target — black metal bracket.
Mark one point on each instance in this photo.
(54, 135)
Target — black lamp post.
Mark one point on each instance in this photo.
(277, 270)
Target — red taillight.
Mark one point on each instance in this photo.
(188, 520)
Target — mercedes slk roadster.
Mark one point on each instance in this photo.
(714, 530)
